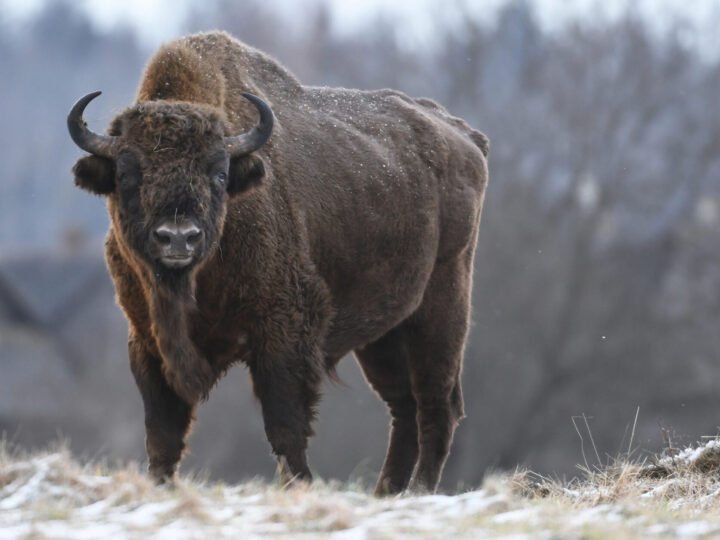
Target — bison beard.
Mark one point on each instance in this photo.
(351, 230)
(184, 368)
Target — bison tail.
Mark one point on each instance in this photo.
(481, 141)
(334, 377)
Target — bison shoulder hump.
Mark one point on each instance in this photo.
(177, 72)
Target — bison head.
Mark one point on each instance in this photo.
(168, 170)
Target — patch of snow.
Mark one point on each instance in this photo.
(27, 491)
(147, 514)
(692, 455)
(696, 528)
(603, 512)
(79, 531)
(661, 489)
(657, 529)
(522, 515)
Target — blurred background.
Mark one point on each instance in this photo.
(597, 286)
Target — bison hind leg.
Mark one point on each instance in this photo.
(438, 331)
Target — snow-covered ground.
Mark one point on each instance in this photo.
(52, 496)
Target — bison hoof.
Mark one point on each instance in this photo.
(418, 487)
(163, 476)
(386, 488)
(289, 478)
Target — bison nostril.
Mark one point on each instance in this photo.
(193, 238)
(162, 237)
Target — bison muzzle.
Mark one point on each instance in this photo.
(257, 220)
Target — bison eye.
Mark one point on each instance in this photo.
(221, 178)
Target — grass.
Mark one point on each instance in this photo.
(51, 495)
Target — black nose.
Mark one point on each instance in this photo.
(180, 238)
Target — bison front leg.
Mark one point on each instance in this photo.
(167, 416)
(288, 390)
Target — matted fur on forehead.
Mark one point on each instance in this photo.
(155, 126)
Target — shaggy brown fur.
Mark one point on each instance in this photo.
(352, 229)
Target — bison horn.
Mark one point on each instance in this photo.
(252, 140)
(100, 145)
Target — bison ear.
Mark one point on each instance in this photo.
(95, 174)
(246, 172)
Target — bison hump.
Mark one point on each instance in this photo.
(178, 73)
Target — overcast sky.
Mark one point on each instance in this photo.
(159, 20)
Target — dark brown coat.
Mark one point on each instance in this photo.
(352, 229)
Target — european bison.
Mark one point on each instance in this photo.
(351, 228)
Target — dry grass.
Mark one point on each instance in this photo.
(50, 495)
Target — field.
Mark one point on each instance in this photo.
(51, 495)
